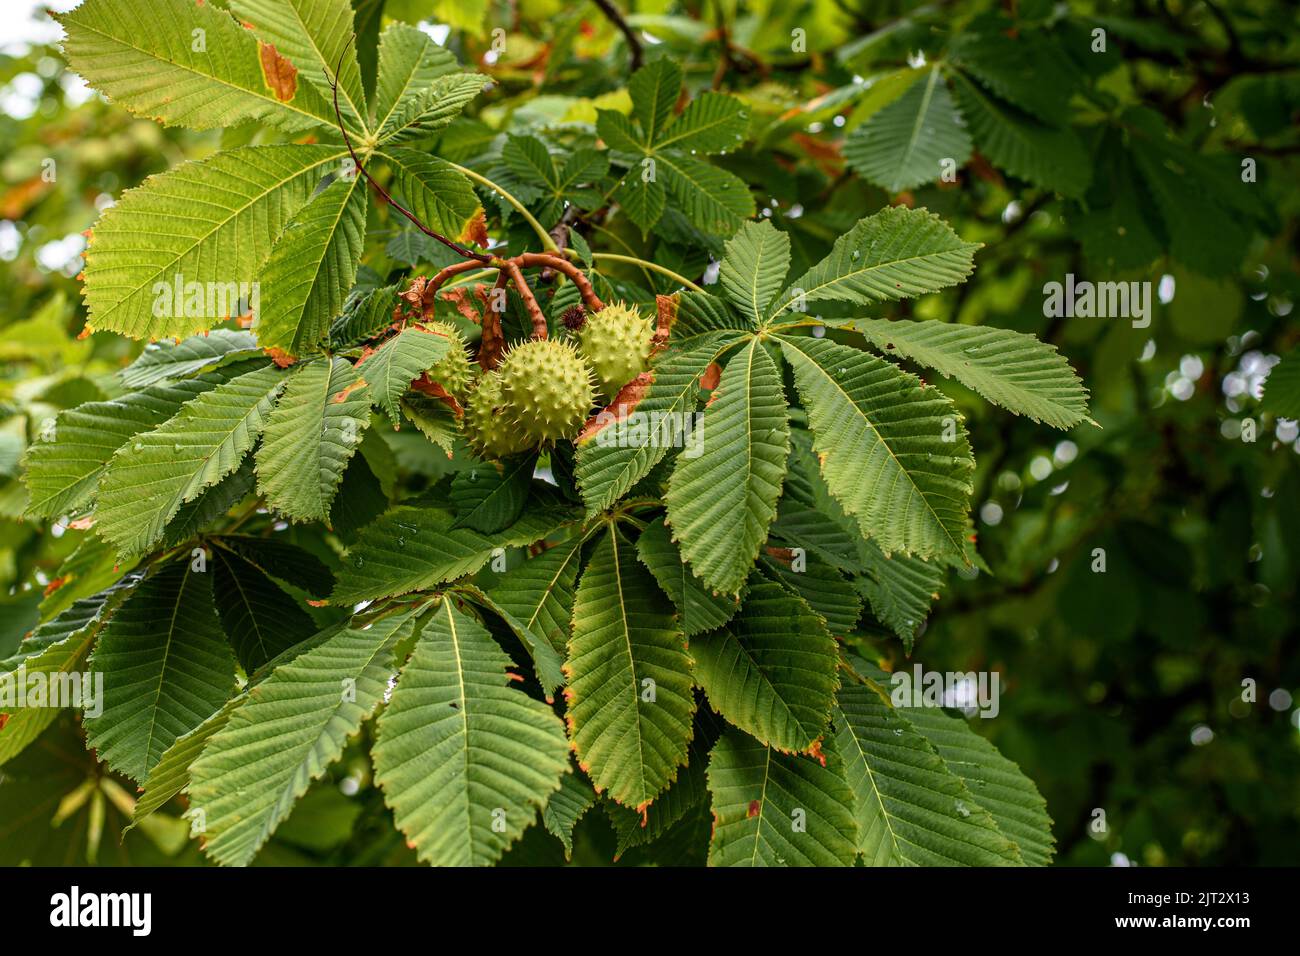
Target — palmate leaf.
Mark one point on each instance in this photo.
(1010, 369)
(171, 774)
(210, 221)
(311, 436)
(150, 477)
(539, 593)
(311, 268)
(435, 108)
(409, 62)
(165, 361)
(59, 646)
(388, 371)
(259, 618)
(316, 36)
(904, 144)
(437, 194)
(900, 589)
(698, 608)
(411, 548)
(567, 806)
(548, 664)
(819, 584)
(144, 55)
(911, 809)
(879, 435)
(64, 469)
(654, 90)
(895, 254)
(754, 267)
(1047, 156)
(721, 503)
(489, 497)
(629, 695)
(772, 671)
(288, 731)
(714, 199)
(465, 760)
(607, 469)
(166, 668)
(773, 809)
(1010, 797)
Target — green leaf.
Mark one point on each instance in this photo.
(436, 193)
(1047, 156)
(489, 497)
(911, 809)
(713, 199)
(654, 90)
(880, 437)
(312, 434)
(1011, 369)
(145, 55)
(754, 268)
(642, 199)
(1282, 387)
(409, 62)
(1010, 797)
(567, 806)
(211, 225)
(166, 668)
(288, 731)
(608, 467)
(548, 664)
(58, 646)
(721, 503)
(895, 254)
(410, 549)
(698, 608)
(772, 809)
(711, 123)
(313, 265)
(171, 774)
(284, 561)
(434, 109)
(433, 418)
(316, 36)
(900, 589)
(1023, 68)
(773, 671)
(389, 370)
(819, 584)
(905, 144)
(464, 759)
(259, 618)
(148, 479)
(63, 469)
(165, 361)
(539, 593)
(629, 695)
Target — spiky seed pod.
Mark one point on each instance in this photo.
(616, 341)
(453, 371)
(549, 386)
(489, 423)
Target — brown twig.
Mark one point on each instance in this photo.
(635, 51)
(382, 192)
(535, 313)
(572, 272)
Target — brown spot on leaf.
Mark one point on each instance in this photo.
(624, 403)
(475, 230)
(815, 751)
(56, 584)
(280, 357)
(82, 524)
(281, 76)
(433, 389)
(754, 808)
(666, 309)
(712, 375)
